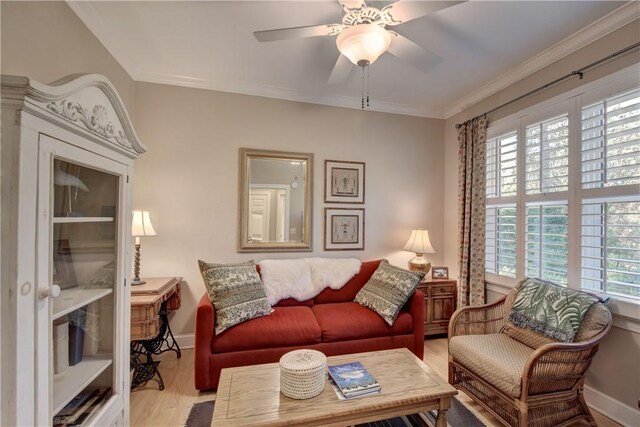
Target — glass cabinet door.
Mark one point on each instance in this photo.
(83, 257)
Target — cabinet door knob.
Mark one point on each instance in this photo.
(52, 291)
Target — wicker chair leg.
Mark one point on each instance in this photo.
(585, 407)
(523, 418)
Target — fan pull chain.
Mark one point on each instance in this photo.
(367, 86)
(362, 89)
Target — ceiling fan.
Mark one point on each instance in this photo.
(363, 35)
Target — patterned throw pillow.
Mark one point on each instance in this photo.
(550, 309)
(236, 292)
(388, 290)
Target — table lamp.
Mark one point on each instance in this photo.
(141, 226)
(420, 244)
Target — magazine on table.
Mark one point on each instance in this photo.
(341, 396)
(353, 379)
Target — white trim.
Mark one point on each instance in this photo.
(186, 341)
(612, 408)
(499, 289)
(598, 29)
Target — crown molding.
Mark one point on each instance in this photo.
(596, 30)
(287, 94)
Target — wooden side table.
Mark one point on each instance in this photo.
(440, 303)
(150, 330)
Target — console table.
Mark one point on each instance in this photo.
(150, 330)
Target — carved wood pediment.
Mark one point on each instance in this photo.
(89, 102)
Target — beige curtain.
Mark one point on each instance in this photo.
(472, 139)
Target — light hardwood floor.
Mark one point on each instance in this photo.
(170, 407)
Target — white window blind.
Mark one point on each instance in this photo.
(547, 163)
(571, 220)
(501, 165)
(500, 240)
(547, 243)
(611, 247)
(611, 141)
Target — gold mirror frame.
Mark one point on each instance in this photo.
(244, 245)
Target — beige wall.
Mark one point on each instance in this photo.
(47, 41)
(189, 177)
(616, 369)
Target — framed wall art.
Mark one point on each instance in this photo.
(343, 229)
(344, 182)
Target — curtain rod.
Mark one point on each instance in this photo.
(579, 72)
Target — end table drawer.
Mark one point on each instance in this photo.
(444, 289)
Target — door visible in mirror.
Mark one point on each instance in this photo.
(275, 201)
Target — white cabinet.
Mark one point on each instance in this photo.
(67, 168)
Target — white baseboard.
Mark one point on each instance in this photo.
(612, 408)
(186, 341)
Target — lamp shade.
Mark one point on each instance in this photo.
(363, 43)
(141, 225)
(419, 242)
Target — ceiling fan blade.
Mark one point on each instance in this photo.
(298, 32)
(403, 48)
(341, 70)
(348, 5)
(404, 11)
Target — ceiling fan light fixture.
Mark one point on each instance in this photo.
(363, 43)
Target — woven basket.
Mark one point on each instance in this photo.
(302, 373)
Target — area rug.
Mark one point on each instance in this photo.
(201, 414)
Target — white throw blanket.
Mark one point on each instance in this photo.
(305, 278)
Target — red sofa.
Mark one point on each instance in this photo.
(331, 323)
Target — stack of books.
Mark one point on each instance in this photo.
(81, 407)
(352, 380)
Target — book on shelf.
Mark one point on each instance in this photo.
(81, 407)
(353, 380)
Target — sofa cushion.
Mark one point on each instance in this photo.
(388, 290)
(350, 321)
(286, 326)
(351, 288)
(236, 292)
(497, 358)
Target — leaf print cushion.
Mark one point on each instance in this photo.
(236, 292)
(388, 290)
(550, 309)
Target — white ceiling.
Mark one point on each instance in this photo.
(211, 45)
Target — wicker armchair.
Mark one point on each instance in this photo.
(519, 376)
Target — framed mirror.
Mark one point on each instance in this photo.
(275, 201)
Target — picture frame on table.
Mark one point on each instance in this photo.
(344, 182)
(63, 272)
(440, 273)
(343, 229)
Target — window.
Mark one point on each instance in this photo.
(500, 248)
(611, 247)
(547, 243)
(501, 159)
(563, 193)
(548, 156)
(611, 141)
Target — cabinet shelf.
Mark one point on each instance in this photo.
(74, 298)
(78, 219)
(68, 384)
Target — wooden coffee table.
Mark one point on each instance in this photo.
(250, 395)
